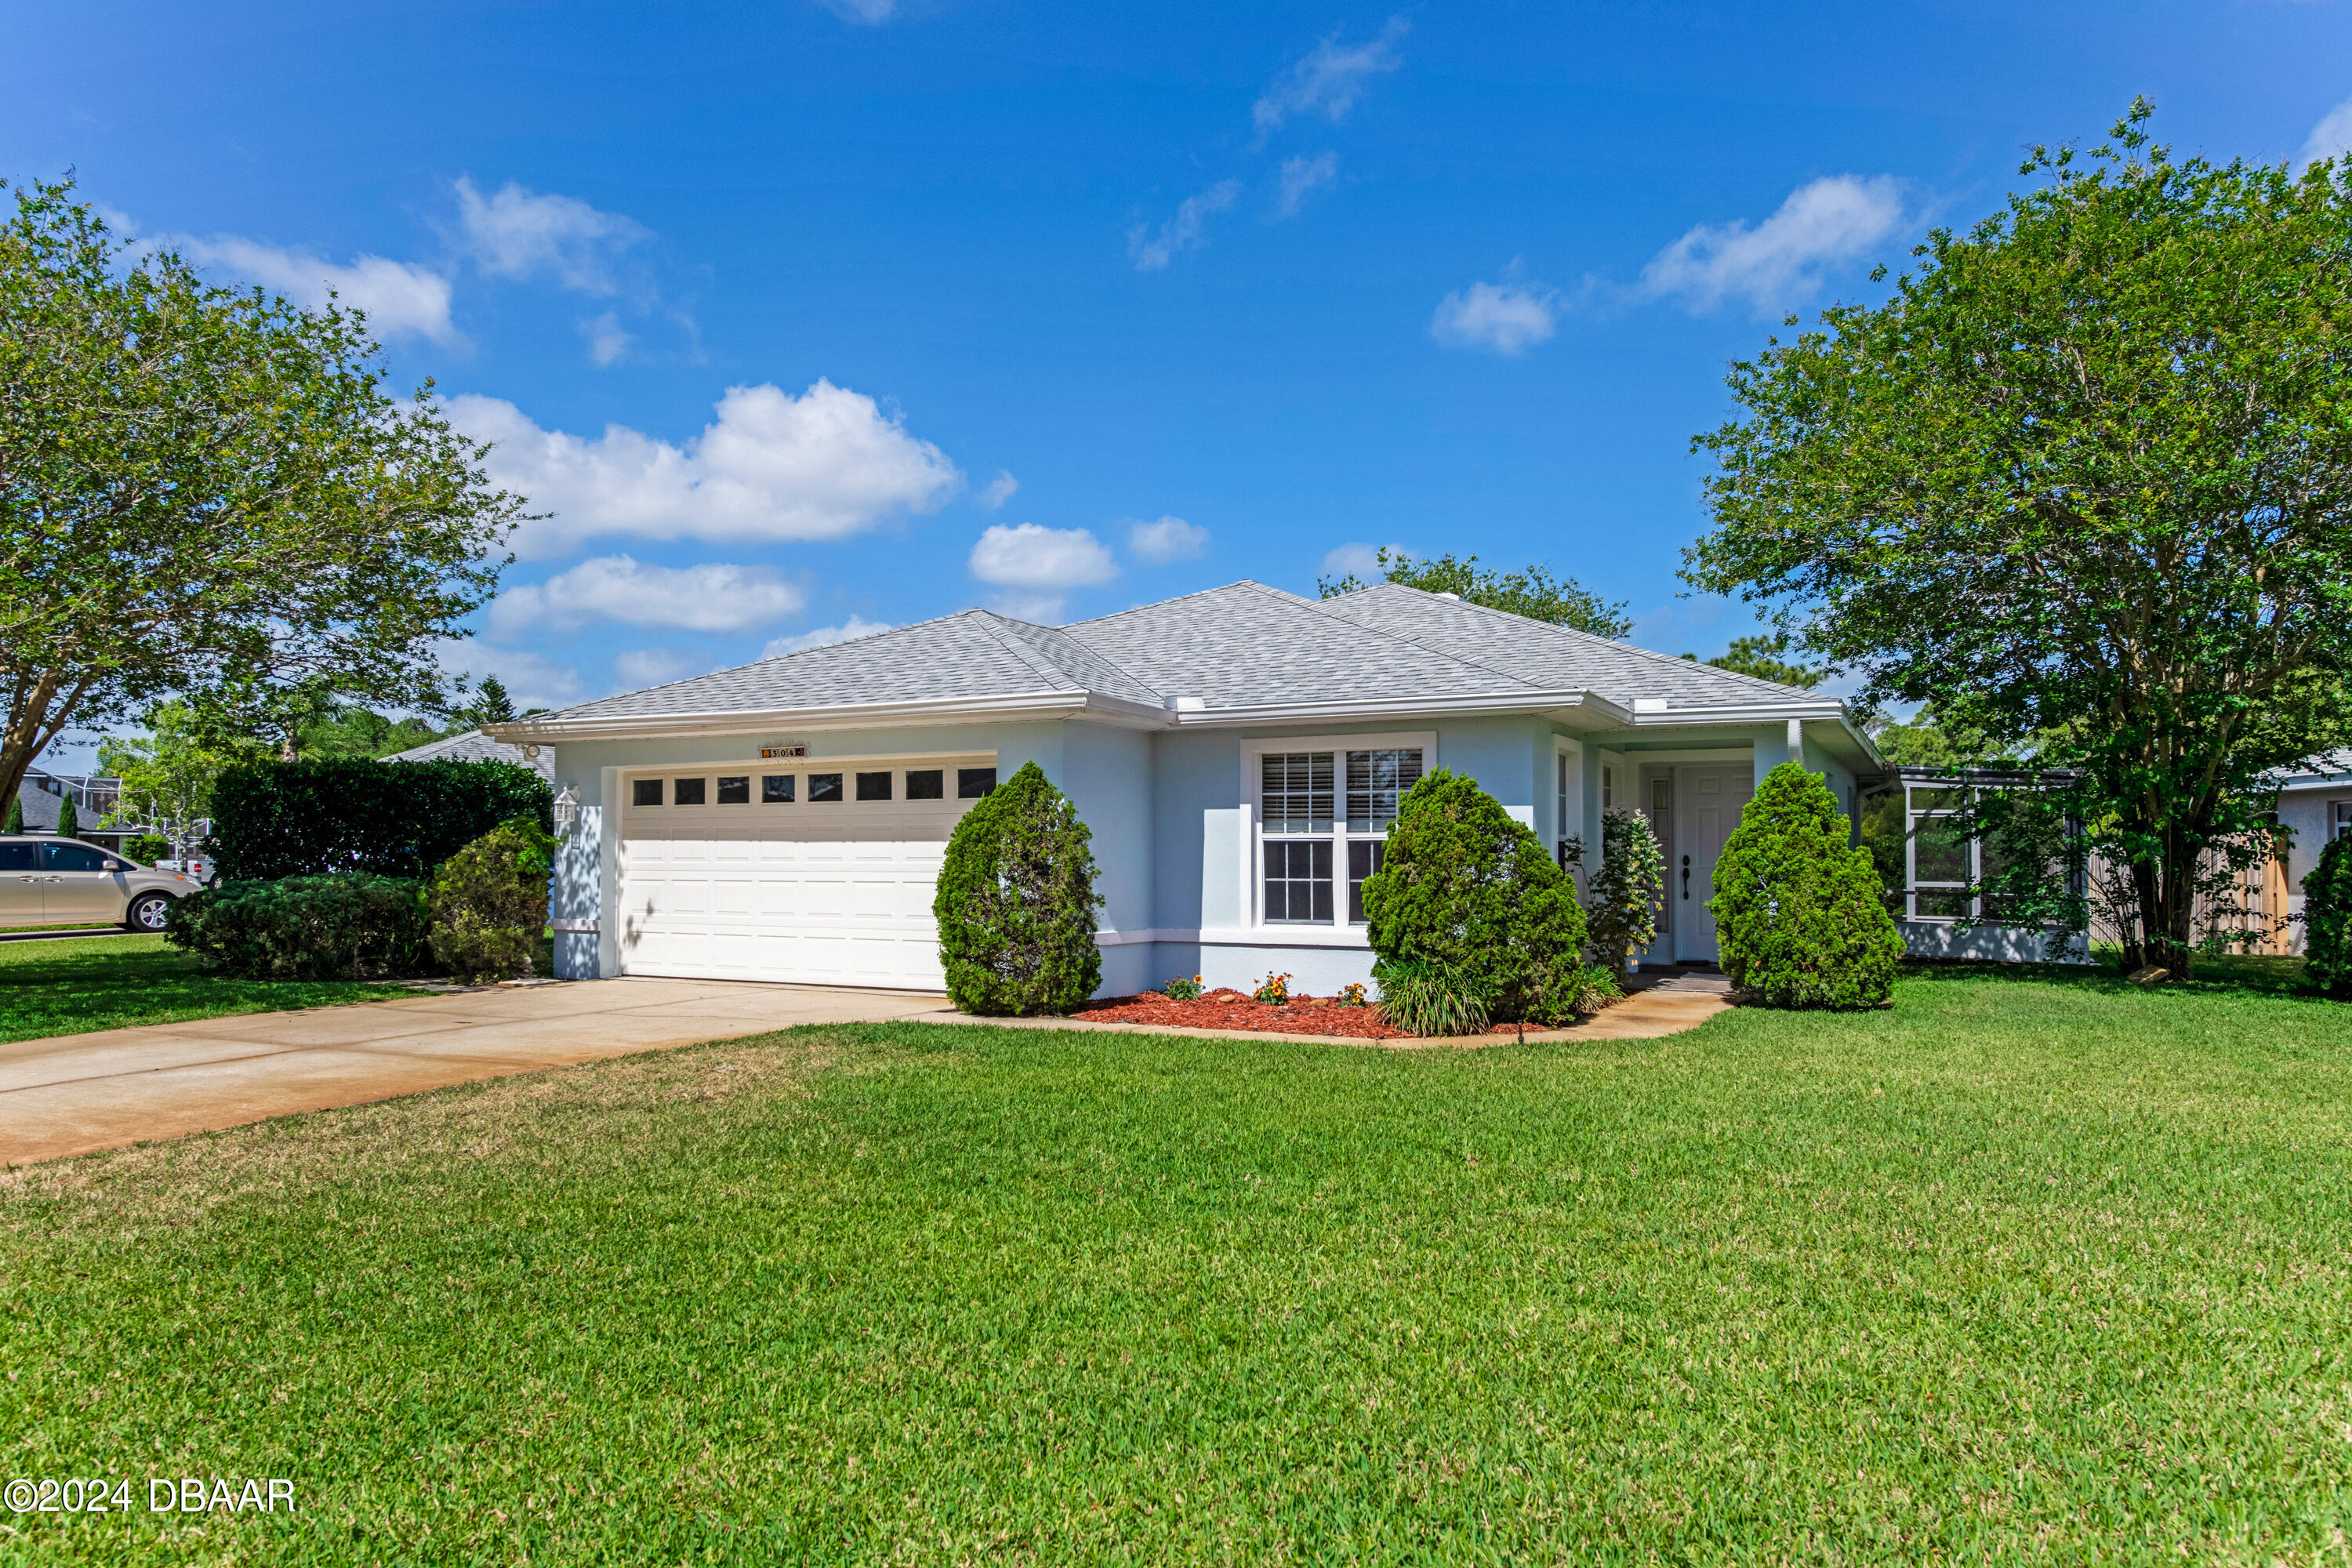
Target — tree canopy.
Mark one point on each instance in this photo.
(1533, 593)
(209, 492)
(2083, 484)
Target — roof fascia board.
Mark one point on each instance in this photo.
(1026, 705)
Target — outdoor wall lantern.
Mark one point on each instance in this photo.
(567, 812)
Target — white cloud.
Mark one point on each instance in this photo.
(712, 597)
(771, 467)
(1038, 565)
(657, 666)
(607, 339)
(1000, 489)
(1360, 561)
(1301, 178)
(518, 233)
(1169, 539)
(399, 299)
(869, 13)
(531, 681)
(1182, 232)
(1328, 79)
(2332, 137)
(1505, 318)
(1835, 218)
(822, 636)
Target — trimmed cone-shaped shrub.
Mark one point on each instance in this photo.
(1621, 913)
(1465, 887)
(1796, 907)
(346, 926)
(15, 822)
(2327, 920)
(489, 903)
(1016, 903)
(68, 819)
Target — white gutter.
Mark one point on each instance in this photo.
(1494, 702)
(548, 728)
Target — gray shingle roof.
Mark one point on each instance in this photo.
(1239, 645)
(473, 746)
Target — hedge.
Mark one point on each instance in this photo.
(359, 814)
(2327, 920)
(352, 926)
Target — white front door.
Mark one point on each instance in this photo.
(1707, 803)
(817, 873)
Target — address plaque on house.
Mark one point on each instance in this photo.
(767, 752)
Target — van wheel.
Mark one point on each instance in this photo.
(148, 912)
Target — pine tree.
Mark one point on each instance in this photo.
(1016, 903)
(1797, 910)
(68, 820)
(15, 823)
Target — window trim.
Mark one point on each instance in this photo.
(1253, 835)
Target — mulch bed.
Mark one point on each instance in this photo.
(1229, 1009)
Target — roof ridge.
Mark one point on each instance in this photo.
(1095, 653)
(1023, 651)
(1511, 675)
(1163, 603)
(1579, 632)
(862, 637)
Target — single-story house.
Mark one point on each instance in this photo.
(474, 746)
(1238, 753)
(2317, 804)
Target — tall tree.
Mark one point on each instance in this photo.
(167, 774)
(1761, 656)
(2084, 485)
(1533, 593)
(209, 491)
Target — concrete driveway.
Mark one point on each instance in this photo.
(74, 1093)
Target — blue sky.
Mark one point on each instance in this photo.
(807, 318)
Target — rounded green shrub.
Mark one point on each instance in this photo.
(2327, 920)
(347, 925)
(1621, 913)
(1796, 907)
(1016, 903)
(489, 903)
(1465, 888)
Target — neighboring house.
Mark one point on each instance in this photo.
(1238, 753)
(2317, 805)
(474, 746)
(93, 796)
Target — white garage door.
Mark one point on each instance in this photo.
(815, 873)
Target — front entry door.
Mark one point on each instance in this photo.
(1707, 803)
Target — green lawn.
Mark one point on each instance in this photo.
(2025, 1268)
(109, 983)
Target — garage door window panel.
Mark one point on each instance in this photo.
(645, 791)
(688, 792)
(874, 786)
(925, 783)
(824, 787)
(735, 791)
(972, 784)
(776, 789)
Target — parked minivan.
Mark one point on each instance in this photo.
(47, 881)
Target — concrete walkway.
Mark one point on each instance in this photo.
(74, 1093)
